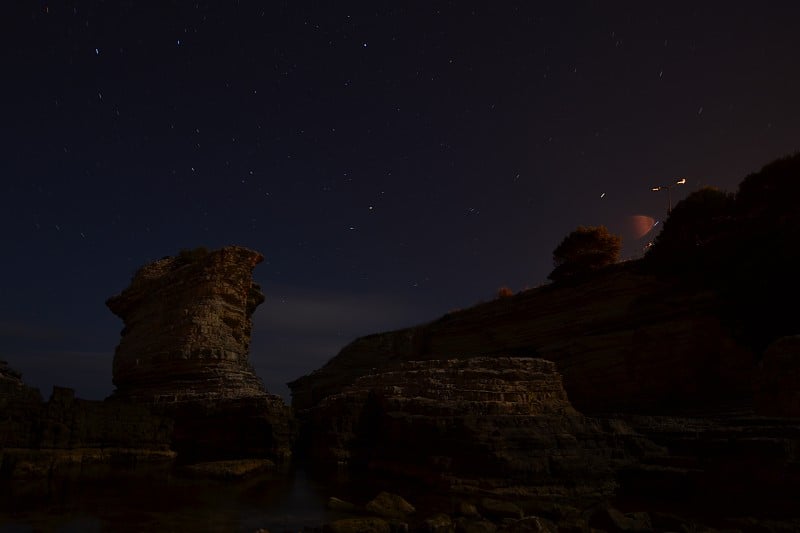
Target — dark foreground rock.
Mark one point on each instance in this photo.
(499, 425)
(488, 515)
(499, 435)
(235, 469)
(718, 465)
(255, 427)
(777, 389)
(66, 434)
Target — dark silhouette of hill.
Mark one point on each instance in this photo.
(744, 246)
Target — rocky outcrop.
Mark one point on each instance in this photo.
(184, 353)
(67, 434)
(184, 384)
(691, 346)
(622, 339)
(777, 389)
(19, 407)
(718, 465)
(187, 328)
(500, 424)
(502, 430)
(240, 428)
(9, 376)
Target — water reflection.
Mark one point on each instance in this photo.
(163, 501)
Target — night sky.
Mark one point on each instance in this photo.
(392, 161)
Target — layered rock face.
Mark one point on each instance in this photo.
(485, 423)
(19, 405)
(623, 340)
(67, 422)
(66, 435)
(184, 352)
(187, 328)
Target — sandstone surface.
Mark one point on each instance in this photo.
(184, 352)
(499, 424)
(65, 434)
(187, 328)
(183, 381)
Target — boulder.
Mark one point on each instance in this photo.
(389, 505)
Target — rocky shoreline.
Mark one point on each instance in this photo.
(557, 409)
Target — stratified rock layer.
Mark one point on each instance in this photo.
(187, 328)
(184, 352)
(66, 435)
(623, 340)
(485, 423)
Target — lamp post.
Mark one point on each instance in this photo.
(668, 188)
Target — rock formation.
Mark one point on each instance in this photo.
(184, 384)
(623, 341)
(68, 434)
(17, 402)
(718, 464)
(693, 417)
(184, 351)
(187, 328)
(683, 328)
(503, 424)
(504, 427)
(777, 389)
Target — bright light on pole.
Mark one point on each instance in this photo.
(668, 188)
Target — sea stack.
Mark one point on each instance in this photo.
(184, 353)
(187, 328)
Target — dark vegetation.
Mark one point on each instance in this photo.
(586, 249)
(744, 246)
(504, 292)
(190, 255)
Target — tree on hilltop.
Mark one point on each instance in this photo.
(585, 249)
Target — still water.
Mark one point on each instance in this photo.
(161, 501)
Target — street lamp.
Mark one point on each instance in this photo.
(668, 188)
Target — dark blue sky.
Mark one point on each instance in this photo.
(392, 161)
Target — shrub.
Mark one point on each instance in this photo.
(191, 255)
(504, 292)
(585, 249)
